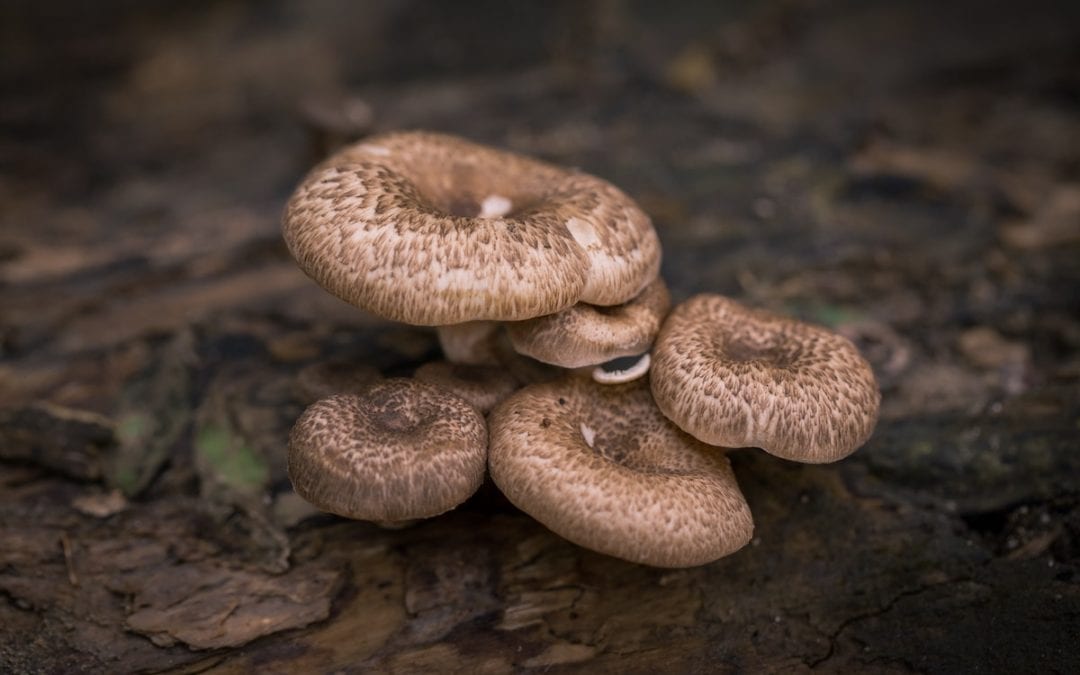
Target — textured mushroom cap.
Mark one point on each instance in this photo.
(433, 230)
(338, 376)
(483, 387)
(601, 466)
(401, 450)
(736, 377)
(585, 335)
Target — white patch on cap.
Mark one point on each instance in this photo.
(374, 149)
(460, 280)
(588, 433)
(582, 232)
(495, 206)
(619, 376)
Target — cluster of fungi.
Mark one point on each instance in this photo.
(595, 406)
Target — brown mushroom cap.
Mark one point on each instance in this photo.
(401, 450)
(481, 386)
(431, 229)
(736, 377)
(601, 466)
(586, 335)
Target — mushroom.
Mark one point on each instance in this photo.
(481, 386)
(435, 230)
(472, 343)
(623, 369)
(401, 450)
(486, 343)
(738, 377)
(588, 335)
(602, 467)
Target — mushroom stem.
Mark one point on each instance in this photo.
(471, 343)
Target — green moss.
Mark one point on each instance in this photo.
(126, 478)
(835, 315)
(230, 460)
(133, 426)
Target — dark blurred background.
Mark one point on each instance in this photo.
(716, 101)
(907, 173)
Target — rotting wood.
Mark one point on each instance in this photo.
(807, 158)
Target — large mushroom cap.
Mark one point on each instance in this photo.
(587, 335)
(736, 377)
(434, 230)
(401, 450)
(601, 466)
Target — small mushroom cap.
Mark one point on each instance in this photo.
(434, 230)
(337, 376)
(587, 335)
(481, 386)
(602, 467)
(401, 450)
(738, 377)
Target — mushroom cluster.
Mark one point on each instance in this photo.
(543, 286)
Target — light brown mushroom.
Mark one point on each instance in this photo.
(435, 230)
(602, 467)
(481, 386)
(735, 377)
(588, 335)
(401, 450)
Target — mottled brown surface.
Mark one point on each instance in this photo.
(600, 465)
(401, 449)
(587, 335)
(393, 225)
(905, 173)
(738, 377)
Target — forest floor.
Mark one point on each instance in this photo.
(905, 173)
